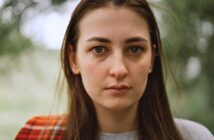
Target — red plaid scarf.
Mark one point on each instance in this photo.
(43, 128)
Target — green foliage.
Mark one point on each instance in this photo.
(57, 2)
(191, 33)
(12, 41)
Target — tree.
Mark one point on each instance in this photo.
(191, 31)
(11, 14)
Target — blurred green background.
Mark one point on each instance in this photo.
(29, 66)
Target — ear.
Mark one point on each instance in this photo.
(73, 60)
(153, 57)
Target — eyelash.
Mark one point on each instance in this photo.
(99, 47)
(139, 49)
(99, 50)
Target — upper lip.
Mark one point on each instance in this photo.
(118, 87)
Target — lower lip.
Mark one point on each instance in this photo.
(118, 91)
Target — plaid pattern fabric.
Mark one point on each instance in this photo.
(43, 128)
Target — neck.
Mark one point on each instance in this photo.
(117, 121)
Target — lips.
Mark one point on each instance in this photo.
(118, 89)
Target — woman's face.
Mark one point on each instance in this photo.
(114, 57)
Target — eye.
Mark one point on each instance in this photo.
(135, 49)
(99, 49)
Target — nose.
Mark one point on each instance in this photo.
(118, 68)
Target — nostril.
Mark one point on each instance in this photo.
(118, 71)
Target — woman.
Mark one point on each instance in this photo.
(112, 60)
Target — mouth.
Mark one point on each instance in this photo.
(118, 89)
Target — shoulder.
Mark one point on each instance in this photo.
(43, 127)
(192, 130)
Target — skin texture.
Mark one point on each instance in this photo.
(114, 58)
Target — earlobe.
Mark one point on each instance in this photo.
(150, 70)
(73, 60)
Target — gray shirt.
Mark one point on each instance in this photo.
(189, 130)
(192, 130)
(132, 135)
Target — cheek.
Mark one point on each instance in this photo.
(92, 76)
(141, 81)
(140, 76)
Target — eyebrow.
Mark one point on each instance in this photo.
(129, 40)
(135, 39)
(99, 39)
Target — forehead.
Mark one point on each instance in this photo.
(116, 21)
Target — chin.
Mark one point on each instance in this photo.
(120, 107)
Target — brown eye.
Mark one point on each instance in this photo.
(135, 49)
(99, 49)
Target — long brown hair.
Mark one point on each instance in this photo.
(155, 118)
